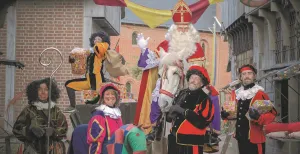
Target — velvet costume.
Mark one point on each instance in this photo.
(249, 134)
(101, 127)
(188, 131)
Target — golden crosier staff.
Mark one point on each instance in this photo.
(50, 85)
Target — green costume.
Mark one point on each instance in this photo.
(31, 116)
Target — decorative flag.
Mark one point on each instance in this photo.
(215, 1)
(198, 9)
(111, 2)
(254, 3)
(151, 17)
(155, 17)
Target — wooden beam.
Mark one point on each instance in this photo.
(10, 71)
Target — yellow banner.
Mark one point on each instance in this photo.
(151, 17)
(215, 1)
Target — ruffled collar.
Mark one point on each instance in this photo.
(243, 94)
(42, 106)
(114, 113)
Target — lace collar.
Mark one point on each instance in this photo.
(42, 106)
(242, 94)
(114, 113)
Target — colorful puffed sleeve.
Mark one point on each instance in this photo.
(137, 141)
(202, 115)
(100, 49)
(96, 134)
(148, 59)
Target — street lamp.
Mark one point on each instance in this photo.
(218, 21)
(215, 48)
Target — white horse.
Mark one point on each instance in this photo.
(172, 73)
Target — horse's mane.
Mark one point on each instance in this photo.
(169, 59)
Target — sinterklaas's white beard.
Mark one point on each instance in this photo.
(183, 41)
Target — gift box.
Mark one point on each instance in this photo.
(231, 108)
(79, 55)
(89, 95)
(262, 106)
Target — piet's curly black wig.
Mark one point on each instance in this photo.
(32, 90)
(196, 72)
(103, 35)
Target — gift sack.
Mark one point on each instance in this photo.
(295, 135)
(79, 55)
(262, 106)
(89, 95)
(283, 134)
(230, 107)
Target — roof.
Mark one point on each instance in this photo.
(203, 23)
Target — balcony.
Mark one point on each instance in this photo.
(106, 18)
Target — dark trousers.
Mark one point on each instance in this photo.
(174, 148)
(246, 147)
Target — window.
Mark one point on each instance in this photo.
(134, 36)
(243, 39)
(284, 101)
(278, 42)
(294, 39)
(243, 46)
(244, 58)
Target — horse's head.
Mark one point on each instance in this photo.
(172, 79)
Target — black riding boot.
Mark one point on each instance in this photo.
(72, 98)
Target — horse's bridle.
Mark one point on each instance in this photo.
(164, 76)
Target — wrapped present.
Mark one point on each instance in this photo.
(262, 106)
(89, 95)
(231, 108)
(79, 55)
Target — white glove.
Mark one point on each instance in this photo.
(141, 42)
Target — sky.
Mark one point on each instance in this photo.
(203, 23)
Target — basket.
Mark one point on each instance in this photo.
(80, 56)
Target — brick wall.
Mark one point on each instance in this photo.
(42, 24)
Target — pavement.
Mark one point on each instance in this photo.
(161, 147)
(232, 147)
